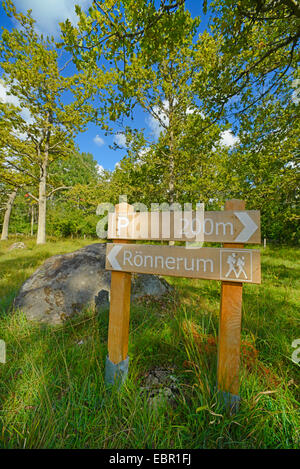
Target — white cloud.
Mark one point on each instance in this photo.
(191, 110)
(120, 139)
(98, 140)
(100, 169)
(161, 112)
(144, 151)
(292, 164)
(49, 13)
(25, 114)
(7, 98)
(117, 165)
(228, 139)
(154, 123)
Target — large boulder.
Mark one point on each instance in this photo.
(66, 284)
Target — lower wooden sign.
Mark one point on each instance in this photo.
(234, 265)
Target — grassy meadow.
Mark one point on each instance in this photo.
(52, 392)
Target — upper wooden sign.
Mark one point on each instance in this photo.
(235, 265)
(235, 226)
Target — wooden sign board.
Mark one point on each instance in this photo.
(235, 226)
(234, 265)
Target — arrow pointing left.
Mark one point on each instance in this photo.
(112, 257)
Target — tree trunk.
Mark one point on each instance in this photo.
(171, 160)
(32, 220)
(10, 202)
(171, 163)
(172, 178)
(41, 232)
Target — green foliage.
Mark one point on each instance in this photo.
(57, 105)
(150, 55)
(64, 220)
(259, 49)
(265, 167)
(161, 64)
(20, 218)
(77, 168)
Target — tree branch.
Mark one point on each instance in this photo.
(33, 196)
(294, 6)
(58, 189)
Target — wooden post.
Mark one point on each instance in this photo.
(2, 351)
(118, 330)
(230, 330)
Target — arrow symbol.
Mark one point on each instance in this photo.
(249, 227)
(112, 257)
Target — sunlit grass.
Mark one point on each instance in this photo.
(52, 391)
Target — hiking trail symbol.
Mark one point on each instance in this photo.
(235, 262)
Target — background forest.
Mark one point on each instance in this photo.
(223, 102)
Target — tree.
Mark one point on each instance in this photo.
(8, 208)
(76, 168)
(265, 167)
(259, 46)
(32, 74)
(161, 65)
(256, 43)
(191, 85)
(125, 37)
(73, 212)
(11, 179)
(199, 169)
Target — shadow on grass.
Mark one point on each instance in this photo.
(24, 261)
(281, 271)
(15, 269)
(283, 253)
(52, 383)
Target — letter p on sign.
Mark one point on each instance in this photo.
(123, 222)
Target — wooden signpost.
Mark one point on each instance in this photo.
(229, 343)
(236, 265)
(235, 226)
(232, 264)
(118, 329)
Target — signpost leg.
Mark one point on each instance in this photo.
(230, 331)
(116, 369)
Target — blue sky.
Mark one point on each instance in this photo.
(48, 14)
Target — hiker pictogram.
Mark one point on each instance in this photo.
(236, 265)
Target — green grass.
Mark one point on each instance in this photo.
(52, 392)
